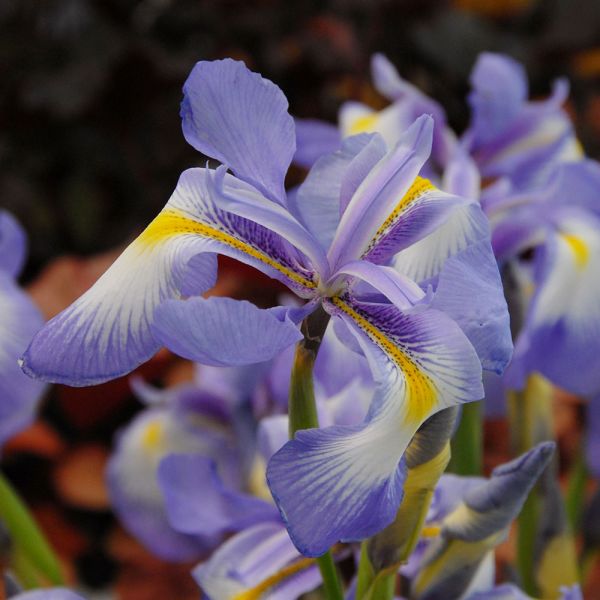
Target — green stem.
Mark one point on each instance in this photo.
(26, 535)
(467, 443)
(576, 490)
(303, 415)
(527, 521)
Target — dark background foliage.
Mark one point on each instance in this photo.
(90, 140)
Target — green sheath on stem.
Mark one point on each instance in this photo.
(467, 443)
(303, 415)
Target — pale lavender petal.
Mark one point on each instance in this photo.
(19, 395)
(198, 503)
(239, 118)
(461, 176)
(222, 331)
(470, 291)
(13, 244)
(318, 200)
(313, 140)
(499, 92)
(49, 594)
(379, 193)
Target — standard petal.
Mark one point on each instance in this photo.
(221, 331)
(377, 198)
(13, 244)
(198, 503)
(499, 92)
(239, 118)
(345, 483)
(318, 202)
(564, 313)
(313, 140)
(19, 394)
(258, 562)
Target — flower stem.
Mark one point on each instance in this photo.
(303, 415)
(467, 442)
(31, 544)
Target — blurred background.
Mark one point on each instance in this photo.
(91, 148)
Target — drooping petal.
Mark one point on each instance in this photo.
(318, 201)
(239, 118)
(469, 290)
(564, 313)
(19, 321)
(258, 562)
(313, 140)
(345, 483)
(198, 503)
(107, 332)
(13, 244)
(221, 331)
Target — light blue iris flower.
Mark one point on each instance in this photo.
(19, 321)
(331, 244)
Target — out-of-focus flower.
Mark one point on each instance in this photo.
(19, 321)
(317, 138)
(49, 594)
(509, 135)
(425, 349)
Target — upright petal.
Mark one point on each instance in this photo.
(107, 332)
(239, 118)
(382, 195)
(345, 483)
(318, 200)
(13, 244)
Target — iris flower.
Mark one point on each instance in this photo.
(19, 321)
(330, 243)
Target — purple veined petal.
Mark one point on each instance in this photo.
(19, 394)
(107, 332)
(500, 90)
(258, 561)
(313, 140)
(241, 199)
(401, 291)
(13, 244)
(132, 476)
(470, 291)
(564, 313)
(221, 331)
(319, 199)
(48, 594)
(198, 503)
(424, 260)
(345, 483)
(241, 119)
(381, 196)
